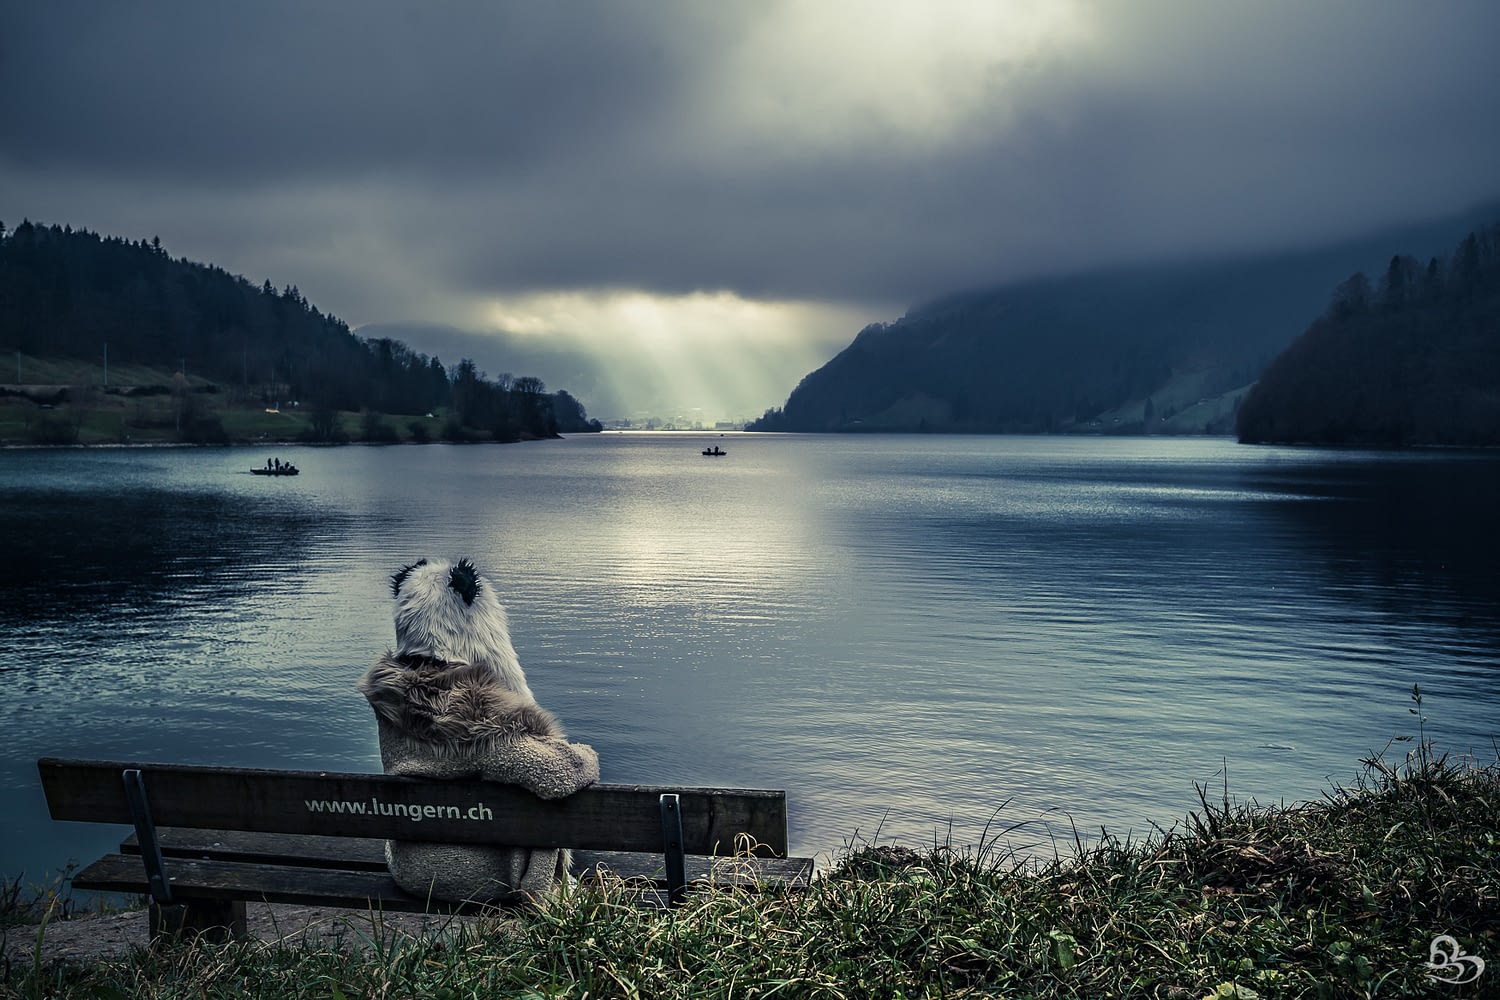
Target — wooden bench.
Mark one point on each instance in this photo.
(207, 839)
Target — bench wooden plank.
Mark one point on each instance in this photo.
(363, 854)
(197, 879)
(742, 872)
(305, 850)
(600, 817)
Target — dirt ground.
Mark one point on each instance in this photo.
(113, 935)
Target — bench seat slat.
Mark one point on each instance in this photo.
(298, 850)
(743, 872)
(210, 878)
(195, 878)
(364, 854)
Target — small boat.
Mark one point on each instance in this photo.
(715, 451)
(285, 470)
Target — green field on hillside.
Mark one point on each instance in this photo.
(66, 402)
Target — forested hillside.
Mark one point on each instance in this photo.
(1166, 349)
(72, 294)
(1410, 359)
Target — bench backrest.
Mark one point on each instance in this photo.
(600, 817)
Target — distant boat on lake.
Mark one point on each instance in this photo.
(715, 451)
(279, 469)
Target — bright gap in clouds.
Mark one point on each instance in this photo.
(713, 355)
(825, 73)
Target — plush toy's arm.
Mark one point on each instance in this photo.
(545, 766)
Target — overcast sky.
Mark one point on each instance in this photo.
(732, 189)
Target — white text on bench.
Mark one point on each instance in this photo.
(414, 811)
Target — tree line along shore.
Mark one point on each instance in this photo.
(115, 341)
(149, 407)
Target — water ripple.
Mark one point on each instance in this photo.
(906, 633)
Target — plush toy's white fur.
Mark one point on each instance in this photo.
(435, 620)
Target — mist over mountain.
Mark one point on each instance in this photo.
(1410, 358)
(555, 363)
(727, 375)
(1170, 348)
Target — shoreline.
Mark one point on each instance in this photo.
(1386, 886)
(122, 445)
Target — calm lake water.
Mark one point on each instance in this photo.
(906, 633)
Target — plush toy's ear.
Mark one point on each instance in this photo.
(464, 578)
(399, 577)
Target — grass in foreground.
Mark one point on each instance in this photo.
(1338, 898)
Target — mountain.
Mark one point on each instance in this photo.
(73, 295)
(1413, 359)
(69, 293)
(1165, 348)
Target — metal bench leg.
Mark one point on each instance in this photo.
(213, 919)
(671, 830)
(145, 835)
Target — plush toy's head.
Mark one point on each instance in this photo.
(447, 611)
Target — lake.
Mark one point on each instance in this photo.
(918, 637)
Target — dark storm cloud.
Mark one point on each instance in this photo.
(260, 94)
(391, 155)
